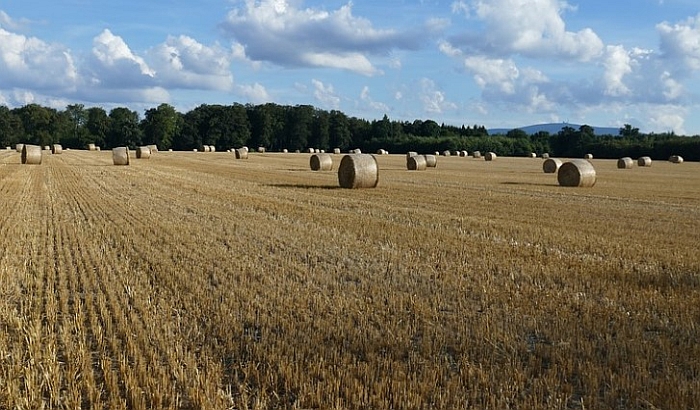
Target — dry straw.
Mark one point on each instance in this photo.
(446, 153)
(311, 150)
(285, 150)
(576, 173)
(241, 153)
(321, 162)
(120, 156)
(416, 163)
(551, 165)
(261, 150)
(676, 159)
(336, 151)
(588, 156)
(356, 151)
(31, 154)
(644, 161)
(410, 154)
(476, 154)
(92, 147)
(153, 148)
(56, 149)
(545, 155)
(47, 148)
(212, 148)
(358, 171)
(533, 155)
(490, 156)
(19, 147)
(205, 148)
(144, 152)
(463, 153)
(430, 161)
(625, 163)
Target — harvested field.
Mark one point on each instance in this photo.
(200, 282)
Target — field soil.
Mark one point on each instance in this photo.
(198, 281)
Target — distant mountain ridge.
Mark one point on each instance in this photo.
(554, 128)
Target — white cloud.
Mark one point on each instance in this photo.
(530, 28)
(32, 63)
(434, 100)
(498, 73)
(183, 62)
(668, 118)
(325, 94)
(255, 93)
(461, 7)
(115, 65)
(617, 65)
(681, 42)
(283, 33)
(374, 105)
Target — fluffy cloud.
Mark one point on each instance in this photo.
(278, 31)
(183, 62)
(32, 63)
(115, 65)
(434, 100)
(325, 95)
(681, 42)
(533, 29)
(367, 99)
(255, 93)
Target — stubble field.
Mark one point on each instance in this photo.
(197, 281)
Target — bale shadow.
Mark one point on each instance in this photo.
(303, 186)
(525, 183)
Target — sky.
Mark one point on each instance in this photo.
(497, 63)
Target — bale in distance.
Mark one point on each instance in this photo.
(336, 151)
(436, 153)
(120, 156)
(31, 154)
(416, 163)
(321, 162)
(170, 150)
(285, 150)
(551, 165)
(19, 147)
(644, 161)
(47, 148)
(92, 147)
(625, 163)
(676, 159)
(261, 150)
(205, 148)
(311, 151)
(430, 161)
(588, 156)
(356, 151)
(241, 153)
(476, 154)
(56, 149)
(410, 154)
(576, 173)
(212, 148)
(144, 152)
(446, 153)
(533, 155)
(490, 156)
(153, 148)
(358, 171)
(545, 155)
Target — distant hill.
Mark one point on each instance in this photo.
(554, 128)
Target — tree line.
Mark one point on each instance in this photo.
(299, 127)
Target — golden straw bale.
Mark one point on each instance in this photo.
(410, 154)
(431, 161)
(358, 171)
(625, 163)
(476, 154)
(56, 149)
(676, 159)
(545, 155)
(551, 165)
(416, 163)
(120, 156)
(92, 147)
(446, 153)
(241, 153)
(336, 151)
(321, 162)
(588, 156)
(153, 148)
(576, 173)
(19, 147)
(144, 152)
(490, 156)
(31, 154)
(644, 161)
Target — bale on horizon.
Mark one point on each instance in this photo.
(644, 161)
(241, 153)
(625, 163)
(490, 156)
(143, 152)
(31, 154)
(430, 160)
(576, 173)
(56, 149)
(416, 163)
(358, 171)
(676, 159)
(551, 165)
(588, 156)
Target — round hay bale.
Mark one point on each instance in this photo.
(431, 161)
(644, 161)
(490, 156)
(416, 163)
(47, 148)
(625, 163)
(120, 156)
(336, 151)
(545, 155)
(436, 153)
(92, 147)
(31, 154)
(576, 173)
(19, 147)
(194, 150)
(285, 150)
(153, 148)
(241, 153)
(170, 150)
(676, 159)
(532, 155)
(410, 154)
(358, 171)
(97, 148)
(8, 148)
(476, 154)
(56, 149)
(446, 153)
(551, 165)
(212, 148)
(311, 151)
(357, 151)
(261, 150)
(588, 156)
(144, 152)
(205, 148)
(463, 153)
(321, 162)
(296, 151)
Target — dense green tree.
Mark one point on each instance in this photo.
(11, 128)
(320, 135)
(160, 126)
(124, 128)
(97, 125)
(339, 129)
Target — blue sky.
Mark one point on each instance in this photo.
(498, 63)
